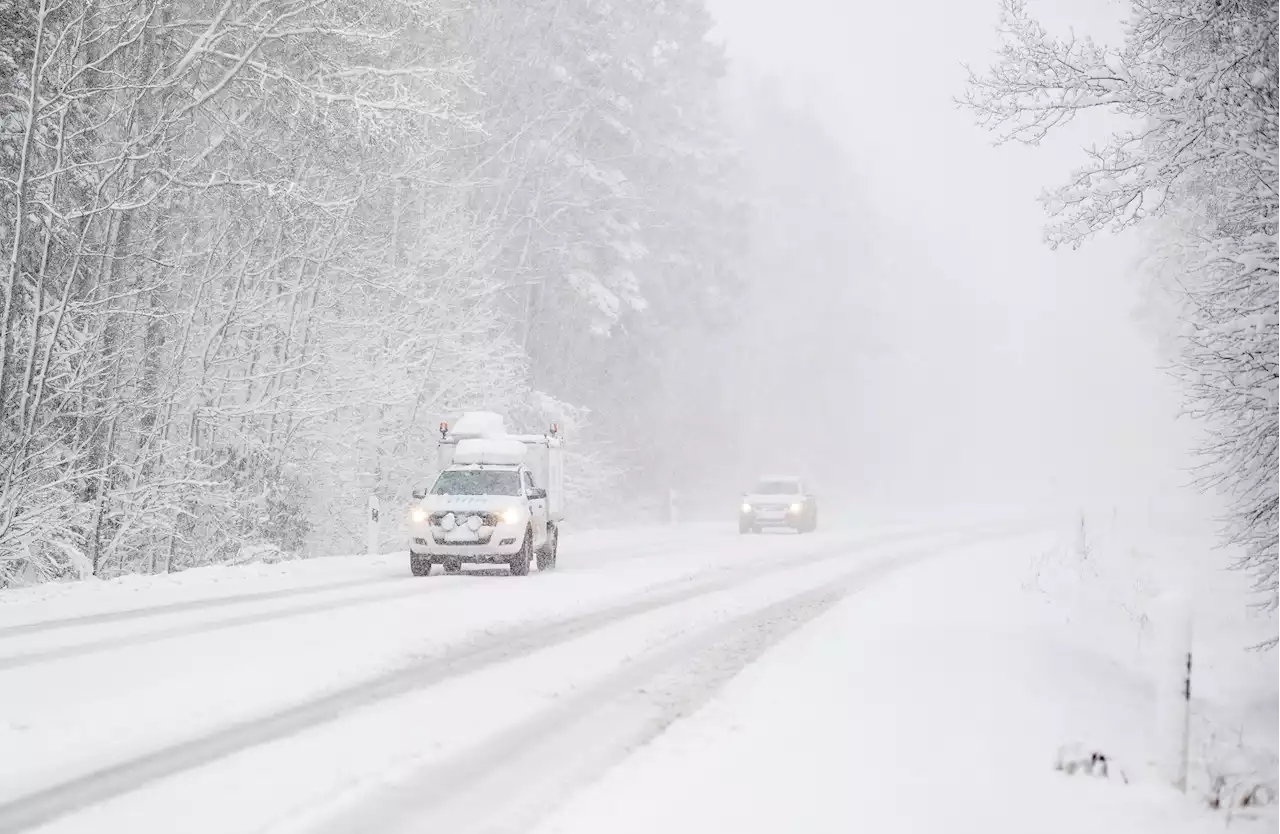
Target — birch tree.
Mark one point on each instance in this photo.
(183, 182)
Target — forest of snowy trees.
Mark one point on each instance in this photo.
(255, 251)
(1198, 81)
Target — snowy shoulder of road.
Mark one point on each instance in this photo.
(91, 597)
(941, 703)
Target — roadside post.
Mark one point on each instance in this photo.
(371, 539)
(1173, 687)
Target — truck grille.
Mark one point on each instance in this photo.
(486, 519)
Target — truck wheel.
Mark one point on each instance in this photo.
(419, 565)
(452, 566)
(547, 555)
(520, 562)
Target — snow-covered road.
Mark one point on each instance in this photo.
(677, 678)
(343, 695)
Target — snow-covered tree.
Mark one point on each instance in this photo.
(1198, 81)
(607, 180)
(200, 313)
(253, 252)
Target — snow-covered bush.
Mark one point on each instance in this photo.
(1079, 760)
(1101, 580)
(1236, 778)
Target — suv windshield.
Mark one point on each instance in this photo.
(477, 482)
(777, 488)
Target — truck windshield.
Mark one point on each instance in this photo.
(477, 482)
(777, 488)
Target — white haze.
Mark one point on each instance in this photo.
(1005, 371)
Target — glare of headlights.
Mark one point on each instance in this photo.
(511, 515)
(795, 508)
(746, 508)
(418, 514)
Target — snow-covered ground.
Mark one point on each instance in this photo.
(891, 673)
(941, 702)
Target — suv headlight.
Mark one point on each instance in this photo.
(797, 507)
(746, 508)
(418, 515)
(512, 515)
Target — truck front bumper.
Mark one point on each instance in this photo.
(771, 518)
(506, 541)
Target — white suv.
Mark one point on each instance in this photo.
(778, 501)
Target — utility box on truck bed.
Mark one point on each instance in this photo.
(544, 453)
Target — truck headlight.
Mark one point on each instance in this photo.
(746, 508)
(511, 515)
(418, 515)
(795, 508)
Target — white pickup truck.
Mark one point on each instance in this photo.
(499, 499)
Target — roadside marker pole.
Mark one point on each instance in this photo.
(1173, 687)
(371, 538)
(1184, 748)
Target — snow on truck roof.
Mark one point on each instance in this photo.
(479, 424)
(794, 479)
(495, 450)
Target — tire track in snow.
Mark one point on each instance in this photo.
(183, 607)
(510, 782)
(16, 661)
(493, 648)
(400, 587)
(397, 589)
(206, 603)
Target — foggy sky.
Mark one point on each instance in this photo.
(1014, 371)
